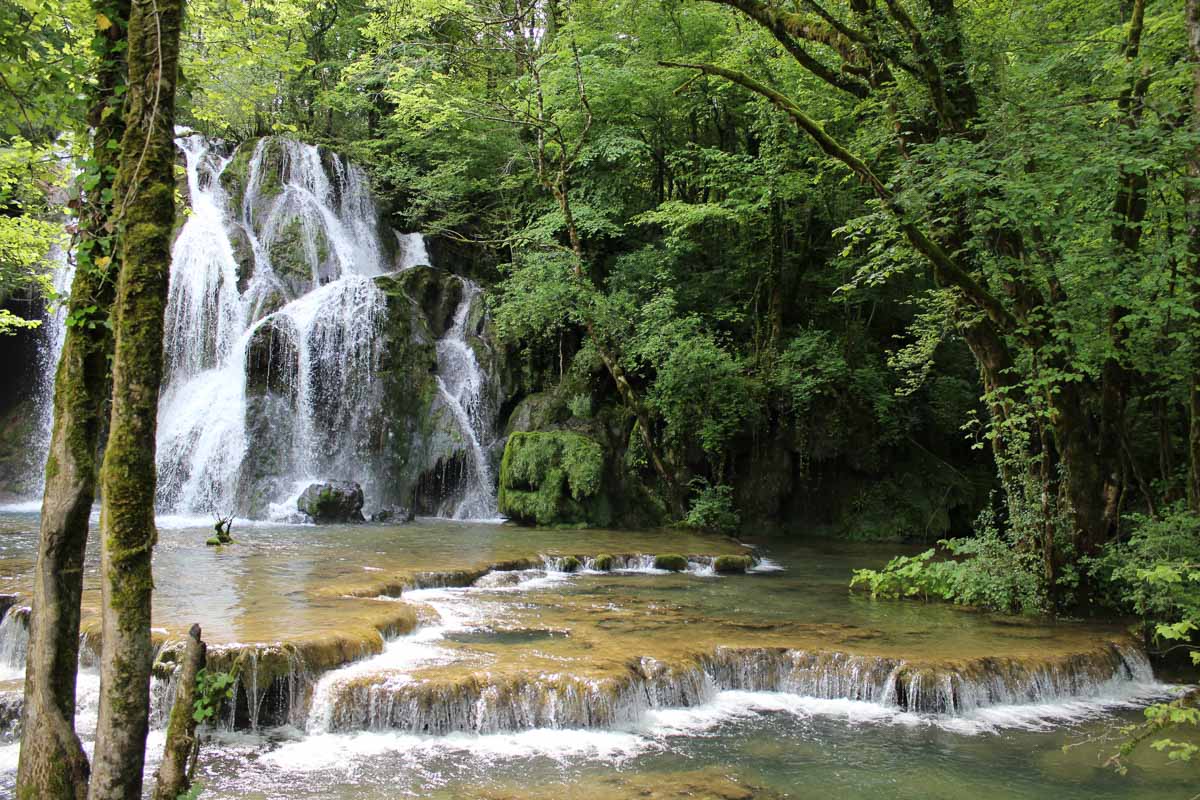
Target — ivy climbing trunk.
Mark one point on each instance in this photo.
(52, 763)
(144, 193)
(1193, 219)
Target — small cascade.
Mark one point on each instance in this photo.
(479, 701)
(462, 385)
(53, 333)
(14, 642)
(413, 252)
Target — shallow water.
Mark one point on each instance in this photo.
(533, 628)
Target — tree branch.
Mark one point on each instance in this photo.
(786, 28)
(946, 269)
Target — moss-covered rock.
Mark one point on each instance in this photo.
(603, 562)
(301, 256)
(332, 502)
(732, 563)
(535, 412)
(435, 291)
(671, 561)
(554, 478)
(419, 451)
(570, 564)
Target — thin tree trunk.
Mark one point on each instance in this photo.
(52, 763)
(172, 778)
(1193, 217)
(145, 199)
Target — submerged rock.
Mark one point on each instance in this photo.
(396, 514)
(335, 501)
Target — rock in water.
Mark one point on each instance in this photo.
(335, 501)
(396, 514)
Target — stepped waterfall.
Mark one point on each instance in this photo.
(275, 337)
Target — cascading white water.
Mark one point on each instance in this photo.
(14, 643)
(274, 333)
(463, 387)
(53, 333)
(413, 252)
(324, 323)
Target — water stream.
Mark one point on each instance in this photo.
(516, 677)
(463, 387)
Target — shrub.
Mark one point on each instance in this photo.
(712, 509)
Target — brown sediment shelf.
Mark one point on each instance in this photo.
(712, 783)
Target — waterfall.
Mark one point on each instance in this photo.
(14, 643)
(275, 350)
(273, 338)
(53, 332)
(412, 250)
(462, 385)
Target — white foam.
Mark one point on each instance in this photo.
(22, 507)
(330, 751)
(767, 565)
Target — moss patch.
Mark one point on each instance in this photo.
(553, 478)
(672, 561)
(732, 563)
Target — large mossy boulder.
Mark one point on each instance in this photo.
(436, 292)
(335, 501)
(554, 478)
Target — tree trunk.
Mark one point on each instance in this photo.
(145, 200)
(52, 762)
(1193, 217)
(171, 780)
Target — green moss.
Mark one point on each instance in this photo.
(570, 564)
(602, 562)
(732, 563)
(672, 561)
(237, 173)
(553, 478)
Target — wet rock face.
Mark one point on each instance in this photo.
(272, 358)
(437, 293)
(335, 501)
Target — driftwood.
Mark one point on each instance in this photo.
(174, 775)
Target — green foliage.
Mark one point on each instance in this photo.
(213, 690)
(1155, 573)
(580, 406)
(712, 509)
(553, 478)
(985, 571)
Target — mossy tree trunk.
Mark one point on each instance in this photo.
(1193, 217)
(52, 762)
(172, 778)
(145, 200)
